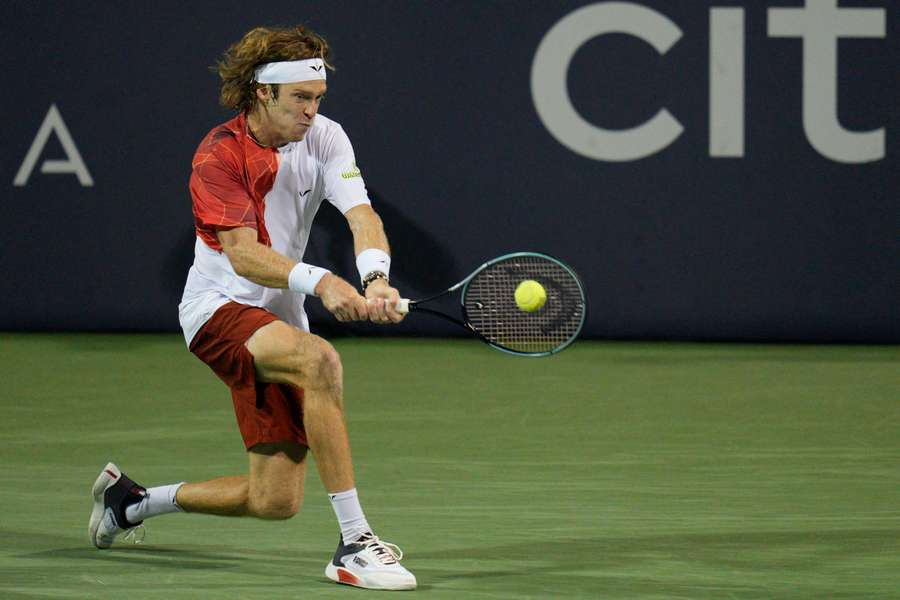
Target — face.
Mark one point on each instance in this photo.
(289, 117)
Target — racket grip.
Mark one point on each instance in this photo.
(403, 306)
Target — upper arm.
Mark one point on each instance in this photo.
(220, 196)
(344, 185)
(234, 238)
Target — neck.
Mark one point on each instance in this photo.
(257, 129)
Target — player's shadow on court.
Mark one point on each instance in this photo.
(714, 552)
(181, 558)
(222, 573)
(175, 558)
(607, 563)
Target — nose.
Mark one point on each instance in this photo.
(311, 108)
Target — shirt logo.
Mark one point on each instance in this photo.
(352, 172)
(305, 193)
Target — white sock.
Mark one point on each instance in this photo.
(158, 501)
(349, 515)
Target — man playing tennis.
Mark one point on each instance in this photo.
(256, 185)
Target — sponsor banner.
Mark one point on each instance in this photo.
(713, 170)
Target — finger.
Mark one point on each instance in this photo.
(348, 310)
(387, 308)
(376, 310)
(343, 312)
(372, 307)
(391, 312)
(359, 309)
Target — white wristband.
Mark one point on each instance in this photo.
(373, 259)
(304, 278)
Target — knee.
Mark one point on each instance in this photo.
(275, 507)
(323, 365)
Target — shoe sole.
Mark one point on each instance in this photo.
(341, 575)
(108, 476)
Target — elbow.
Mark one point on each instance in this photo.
(365, 220)
(235, 257)
(238, 245)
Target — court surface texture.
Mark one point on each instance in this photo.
(613, 470)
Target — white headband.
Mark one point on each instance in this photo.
(293, 71)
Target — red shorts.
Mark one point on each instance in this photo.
(266, 412)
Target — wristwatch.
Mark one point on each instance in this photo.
(372, 276)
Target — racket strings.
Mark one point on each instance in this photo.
(490, 305)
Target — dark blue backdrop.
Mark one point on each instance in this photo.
(781, 243)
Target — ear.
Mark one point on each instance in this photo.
(264, 93)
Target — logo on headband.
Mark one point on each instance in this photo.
(290, 71)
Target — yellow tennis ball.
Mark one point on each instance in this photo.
(530, 295)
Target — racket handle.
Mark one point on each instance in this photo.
(403, 306)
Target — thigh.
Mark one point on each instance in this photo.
(266, 412)
(277, 469)
(284, 354)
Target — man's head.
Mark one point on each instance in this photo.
(284, 112)
(261, 75)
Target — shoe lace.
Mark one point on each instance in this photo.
(135, 535)
(386, 552)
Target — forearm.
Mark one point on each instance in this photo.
(374, 238)
(261, 265)
(368, 230)
(373, 262)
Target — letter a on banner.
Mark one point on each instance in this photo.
(53, 123)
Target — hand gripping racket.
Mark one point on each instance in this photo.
(489, 310)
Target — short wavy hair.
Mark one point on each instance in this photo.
(259, 46)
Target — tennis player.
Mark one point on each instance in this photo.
(256, 185)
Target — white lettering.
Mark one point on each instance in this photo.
(53, 123)
(820, 24)
(550, 91)
(726, 82)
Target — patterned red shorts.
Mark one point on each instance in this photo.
(266, 412)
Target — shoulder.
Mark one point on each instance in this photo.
(221, 144)
(324, 126)
(327, 138)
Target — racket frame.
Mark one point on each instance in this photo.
(410, 305)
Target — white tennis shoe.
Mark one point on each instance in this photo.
(113, 491)
(370, 563)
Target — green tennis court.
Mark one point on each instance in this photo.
(613, 470)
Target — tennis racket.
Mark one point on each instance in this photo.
(489, 311)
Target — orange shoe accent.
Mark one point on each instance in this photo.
(346, 576)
